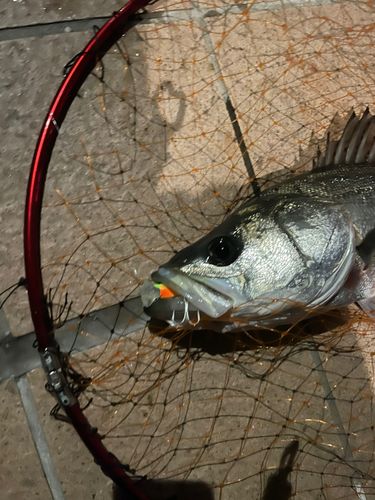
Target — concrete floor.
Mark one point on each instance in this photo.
(289, 72)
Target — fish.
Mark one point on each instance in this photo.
(306, 244)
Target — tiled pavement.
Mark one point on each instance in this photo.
(40, 457)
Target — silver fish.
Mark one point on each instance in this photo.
(303, 245)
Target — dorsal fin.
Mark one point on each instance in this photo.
(356, 144)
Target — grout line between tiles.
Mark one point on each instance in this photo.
(198, 15)
(46, 29)
(39, 438)
(5, 333)
(78, 25)
(18, 355)
(345, 443)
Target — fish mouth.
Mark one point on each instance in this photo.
(193, 296)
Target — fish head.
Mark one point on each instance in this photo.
(271, 257)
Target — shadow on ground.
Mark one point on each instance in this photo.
(278, 485)
(218, 343)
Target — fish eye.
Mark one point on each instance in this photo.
(222, 251)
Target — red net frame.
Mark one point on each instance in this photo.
(83, 65)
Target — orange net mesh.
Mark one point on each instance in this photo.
(169, 132)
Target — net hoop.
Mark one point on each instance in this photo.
(84, 63)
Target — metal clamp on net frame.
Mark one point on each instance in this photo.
(56, 381)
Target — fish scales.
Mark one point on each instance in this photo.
(351, 185)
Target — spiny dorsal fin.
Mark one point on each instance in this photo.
(356, 144)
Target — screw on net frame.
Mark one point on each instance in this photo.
(151, 156)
